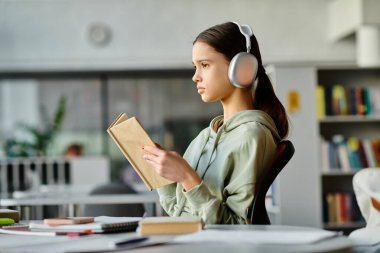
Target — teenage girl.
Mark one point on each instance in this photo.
(216, 177)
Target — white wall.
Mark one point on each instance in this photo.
(299, 183)
(17, 106)
(53, 35)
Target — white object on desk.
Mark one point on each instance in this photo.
(366, 236)
(257, 236)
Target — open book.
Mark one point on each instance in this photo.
(130, 137)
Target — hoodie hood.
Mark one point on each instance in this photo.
(240, 118)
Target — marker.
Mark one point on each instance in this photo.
(6, 221)
(126, 241)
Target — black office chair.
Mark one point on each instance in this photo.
(116, 210)
(257, 213)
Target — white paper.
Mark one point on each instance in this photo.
(257, 236)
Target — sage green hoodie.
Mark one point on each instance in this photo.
(229, 161)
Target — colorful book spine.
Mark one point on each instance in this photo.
(341, 100)
(349, 154)
(340, 208)
(376, 151)
(353, 152)
(342, 153)
(320, 100)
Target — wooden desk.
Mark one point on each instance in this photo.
(100, 243)
(70, 203)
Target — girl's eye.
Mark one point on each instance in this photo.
(205, 65)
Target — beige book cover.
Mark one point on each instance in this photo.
(165, 225)
(130, 137)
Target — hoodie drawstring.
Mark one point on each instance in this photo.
(218, 135)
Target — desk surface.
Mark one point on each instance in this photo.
(100, 243)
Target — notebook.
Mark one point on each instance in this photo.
(130, 137)
(101, 224)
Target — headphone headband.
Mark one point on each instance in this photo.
(246, 30)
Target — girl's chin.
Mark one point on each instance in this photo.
(207, 99)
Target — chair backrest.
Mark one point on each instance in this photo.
(257, 213)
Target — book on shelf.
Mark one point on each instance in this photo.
(130, 136)
(169, 225)
(339, 100)
(340, 208)
(342, 153)
(352, 100)
(369, 153)
(349, 154)
(353, 153)
(320, 96)
(101, 224)
(376, 151)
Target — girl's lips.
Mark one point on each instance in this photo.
(200, 89)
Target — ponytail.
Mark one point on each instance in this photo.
(266, 100)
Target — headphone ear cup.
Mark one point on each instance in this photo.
(242, 70)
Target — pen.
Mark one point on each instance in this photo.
(129, 241)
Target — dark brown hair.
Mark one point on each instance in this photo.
(227, 39)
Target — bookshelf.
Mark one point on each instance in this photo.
(348, 119)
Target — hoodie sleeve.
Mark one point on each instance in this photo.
(237, 196)
(169, 196)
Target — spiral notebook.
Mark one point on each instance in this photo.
(101, 224)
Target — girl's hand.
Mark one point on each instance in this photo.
(172, 166)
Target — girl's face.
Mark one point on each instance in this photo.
(211, 73)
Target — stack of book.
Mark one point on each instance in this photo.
(349, 154)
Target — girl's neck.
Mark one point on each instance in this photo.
(236, 103)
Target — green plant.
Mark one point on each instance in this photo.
(42, 136)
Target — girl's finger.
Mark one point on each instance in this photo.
(153, 150)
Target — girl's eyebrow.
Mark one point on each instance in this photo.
(202, 60)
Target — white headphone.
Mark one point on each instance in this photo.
(243, 66)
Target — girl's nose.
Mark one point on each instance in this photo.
(196, 78)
